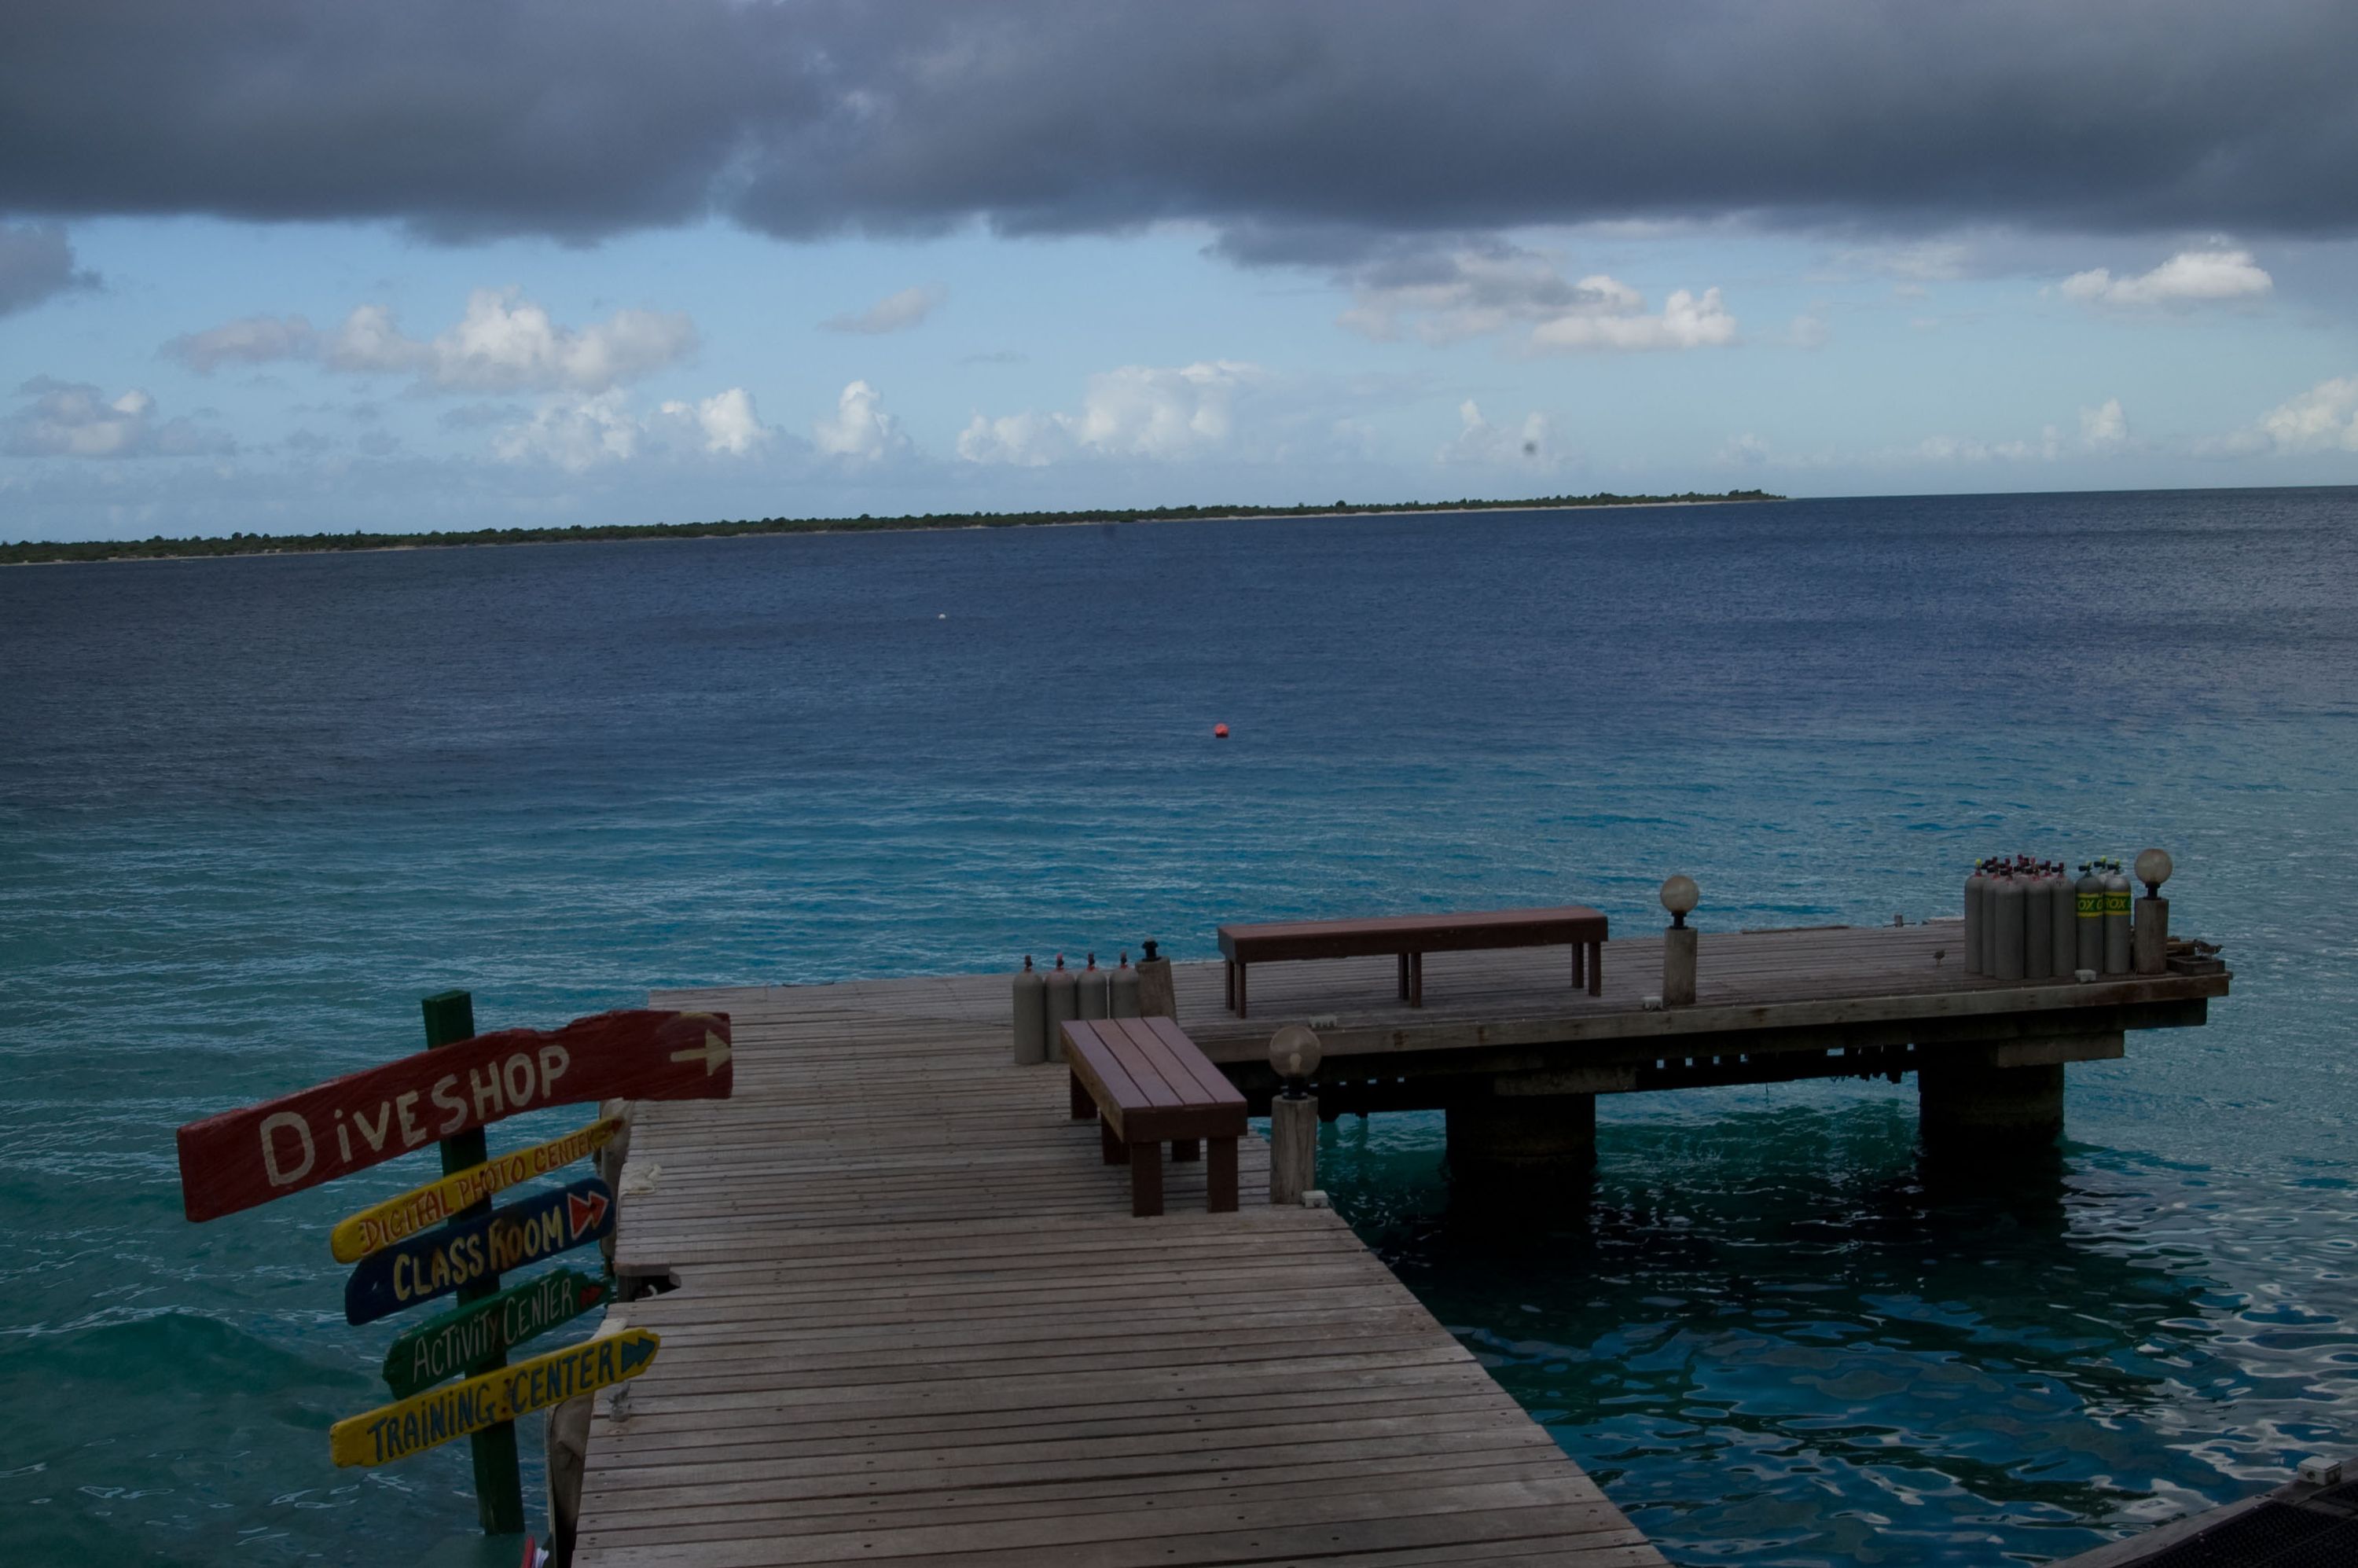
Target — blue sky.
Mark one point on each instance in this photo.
(184, 350)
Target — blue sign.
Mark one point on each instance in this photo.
(437, 1262)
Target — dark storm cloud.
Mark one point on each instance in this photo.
(1307, 132)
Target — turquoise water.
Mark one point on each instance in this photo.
(252, 810)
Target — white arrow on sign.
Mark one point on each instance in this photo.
(713, 1054)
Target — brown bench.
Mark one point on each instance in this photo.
(1148, 1084)
(1412, 936)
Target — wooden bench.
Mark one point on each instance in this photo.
(1412, 936)
(1147, 1083)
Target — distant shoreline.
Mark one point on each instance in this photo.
(67, 552)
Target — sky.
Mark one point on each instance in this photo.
(296, 266)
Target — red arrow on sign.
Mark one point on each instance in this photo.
(245, 1157)
(582, 1214)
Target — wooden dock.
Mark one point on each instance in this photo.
(1770, 1006)
(916, 1324)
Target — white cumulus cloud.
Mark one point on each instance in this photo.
(574, 434)
(1528, 444)
(577, 432)
(503, 342)
(725, 424)
(251, 339)
(1445, 297)
(2322, 419)
(2186, 280)
(2325, 416)
(2104, 426)
(1159, 413)
(859, 430)
(2103, 432)
(1029, 440)
(1970, 449)
(75, 419)
(890, 314)
(1746, 451)
(1687, 322)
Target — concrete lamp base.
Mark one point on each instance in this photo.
(1678, 967)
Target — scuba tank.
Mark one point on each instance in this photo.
(1122, 990)
(2088, 920)
(2067, 914)
(1063, 998)
(1976, 949)
(2037, 926)
(1031, 1016)
(2003, 924)
(2116, 919)
(1093, 990)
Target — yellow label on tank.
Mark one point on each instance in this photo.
(2091, 905)
(2116, 900)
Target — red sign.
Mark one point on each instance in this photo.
(585, 1214)
(241, 1158)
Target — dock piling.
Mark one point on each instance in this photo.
(1973, 1106)
(1294, 1055)
(1293, 1148)
(1523, 1137)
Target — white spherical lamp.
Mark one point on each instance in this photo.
(2153, 868)
(1679, 896)
(1293, 1053)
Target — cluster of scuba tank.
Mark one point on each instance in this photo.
(1045, 1000)
(2030, 920)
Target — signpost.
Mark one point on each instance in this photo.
(499, 1484)
(241, 1158)
(446, 1095)
(398, 1431)
(374, 1229)
(476, 1247)
(443, 1347)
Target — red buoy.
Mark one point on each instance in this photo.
(1219, 731)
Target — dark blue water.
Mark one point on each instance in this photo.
(251, 810)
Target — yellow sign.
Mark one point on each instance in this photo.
(374, 1229)
(416, 1424)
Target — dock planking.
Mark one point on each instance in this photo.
(916, 1324)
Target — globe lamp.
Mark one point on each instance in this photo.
(1680, 895)
(1293, 1053)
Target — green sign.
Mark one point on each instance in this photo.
(447, 1346)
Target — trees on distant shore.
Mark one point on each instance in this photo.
(243, 544)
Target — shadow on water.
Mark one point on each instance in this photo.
(1783, 1336)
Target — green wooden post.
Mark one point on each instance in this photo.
(499, 1485)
